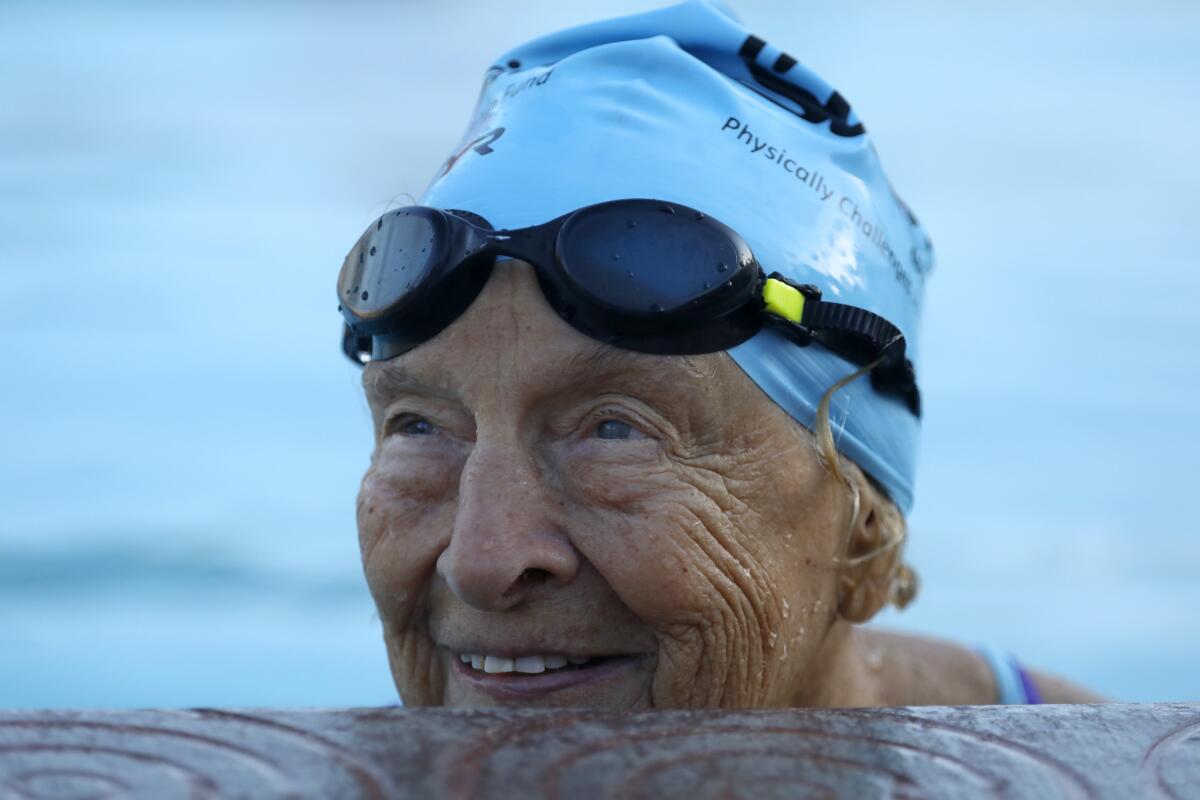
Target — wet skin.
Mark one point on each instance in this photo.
(533, 491)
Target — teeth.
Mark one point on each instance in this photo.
(531, 665)
(497, 664)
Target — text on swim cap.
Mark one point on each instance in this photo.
(824, 193)
(811, 178)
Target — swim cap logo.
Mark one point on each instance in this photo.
(487, 110)
(481, 145)
(835, 110)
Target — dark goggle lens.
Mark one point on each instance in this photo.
(394, 255)
(647, 258)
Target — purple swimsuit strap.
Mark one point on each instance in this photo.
(1032, 695)
(1013, 684)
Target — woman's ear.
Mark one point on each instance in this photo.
(872, 557)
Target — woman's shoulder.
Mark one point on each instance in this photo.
(911, 670)
(1060, 690)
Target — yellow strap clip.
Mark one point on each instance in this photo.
(784, 300)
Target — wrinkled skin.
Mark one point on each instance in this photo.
(533, 487)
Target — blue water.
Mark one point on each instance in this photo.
(180, 442)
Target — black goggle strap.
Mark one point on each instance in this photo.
(854, 333)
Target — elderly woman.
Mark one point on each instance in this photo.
(640, 369)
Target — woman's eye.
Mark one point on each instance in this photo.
(615, 429)
(412, 426)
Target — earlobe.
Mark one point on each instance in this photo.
(870, 566)
(905, 586)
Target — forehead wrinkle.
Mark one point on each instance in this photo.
(604, 359)
(384, 379)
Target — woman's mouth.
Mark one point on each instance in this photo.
(528, 676)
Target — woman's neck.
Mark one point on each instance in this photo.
(845, 673)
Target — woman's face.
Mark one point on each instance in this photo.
(535, 496)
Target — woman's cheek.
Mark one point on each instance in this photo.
(625, 515)
(656, 537)
(407, 492)
(616, 474)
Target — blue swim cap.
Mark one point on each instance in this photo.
(683, 104)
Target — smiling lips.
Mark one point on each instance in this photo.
(524, 664)
(528, 677)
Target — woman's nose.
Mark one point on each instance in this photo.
(506, 545)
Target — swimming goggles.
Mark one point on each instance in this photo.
(644, 275)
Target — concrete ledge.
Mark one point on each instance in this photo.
(1102, 751)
